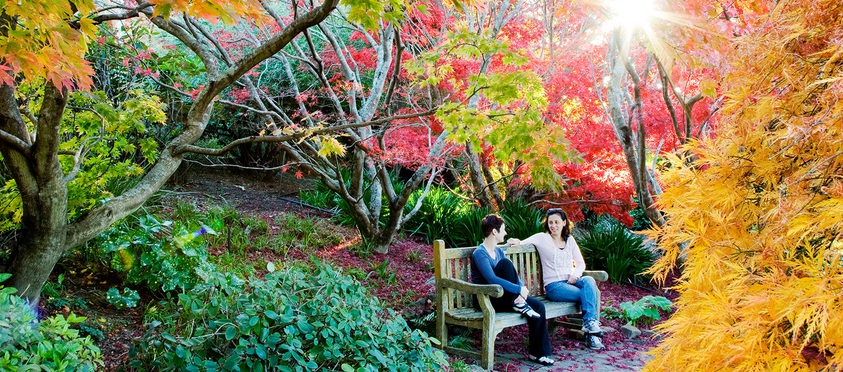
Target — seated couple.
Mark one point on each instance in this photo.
(562, 267)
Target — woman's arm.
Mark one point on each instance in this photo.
(543, 243)
(484, 265)
(579, 262)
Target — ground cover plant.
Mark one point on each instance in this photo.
(52, 344)
(291, 319)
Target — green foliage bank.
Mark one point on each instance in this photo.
(293, 319)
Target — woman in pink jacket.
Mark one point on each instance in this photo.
(562, 268)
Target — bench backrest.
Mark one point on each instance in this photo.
(455, 263)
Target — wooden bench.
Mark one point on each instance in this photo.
(455, 296)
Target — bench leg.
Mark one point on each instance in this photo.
(487, 349)
(442, 330)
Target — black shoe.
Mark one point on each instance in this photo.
(546, 361)
(526, 310)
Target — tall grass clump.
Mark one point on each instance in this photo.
(433, 220)
(522, 219)
(611, 247)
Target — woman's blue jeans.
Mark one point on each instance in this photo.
(584, 291)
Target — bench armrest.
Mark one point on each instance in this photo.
(598, 275)
(493, 290)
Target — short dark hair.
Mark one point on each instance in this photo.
(491, 223)
(566, 230)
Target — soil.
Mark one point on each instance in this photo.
(267, 195)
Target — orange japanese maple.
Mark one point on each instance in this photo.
(757, 208)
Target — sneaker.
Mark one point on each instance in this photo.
(542, 360)
(594, 342)
(591, 326)
(526, 310)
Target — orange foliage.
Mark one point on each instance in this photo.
(48, 39)
(758, 208)
(45, 45)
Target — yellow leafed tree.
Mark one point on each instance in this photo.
(759, 208)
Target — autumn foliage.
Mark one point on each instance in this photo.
(757, 209)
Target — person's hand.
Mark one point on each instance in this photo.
(573, 279)
(513, 241)
(525, 292)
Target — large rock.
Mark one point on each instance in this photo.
(630, 331)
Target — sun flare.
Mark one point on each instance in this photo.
(631, 14)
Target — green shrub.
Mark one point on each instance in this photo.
(522, 219)
(639, 219)
(320, 197)
(610, 246)
(645, 310)
(293, 319)
(325, 198)
(164, 255)
(49, 345)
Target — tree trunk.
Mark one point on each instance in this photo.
(475, 171)
(631, 143)
(44, 219)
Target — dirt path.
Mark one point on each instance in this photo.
(255, 192)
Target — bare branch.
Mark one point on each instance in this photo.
(251, 109)
(19, 145)
(78, 157)
(131, 12)
(274, 139)
(243, 167)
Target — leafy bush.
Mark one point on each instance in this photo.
(51, 345)
(293, 319)
(610, 246)
(163, 255)
(646, 309)
(465, 228)
(320, 197)
(129, 298)
(639, 219)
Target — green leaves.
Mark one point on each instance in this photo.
(291, 319)
(51, 344)
(501, 109)
(647, 309)
(128, 299)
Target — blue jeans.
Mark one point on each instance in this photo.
(584, 291)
